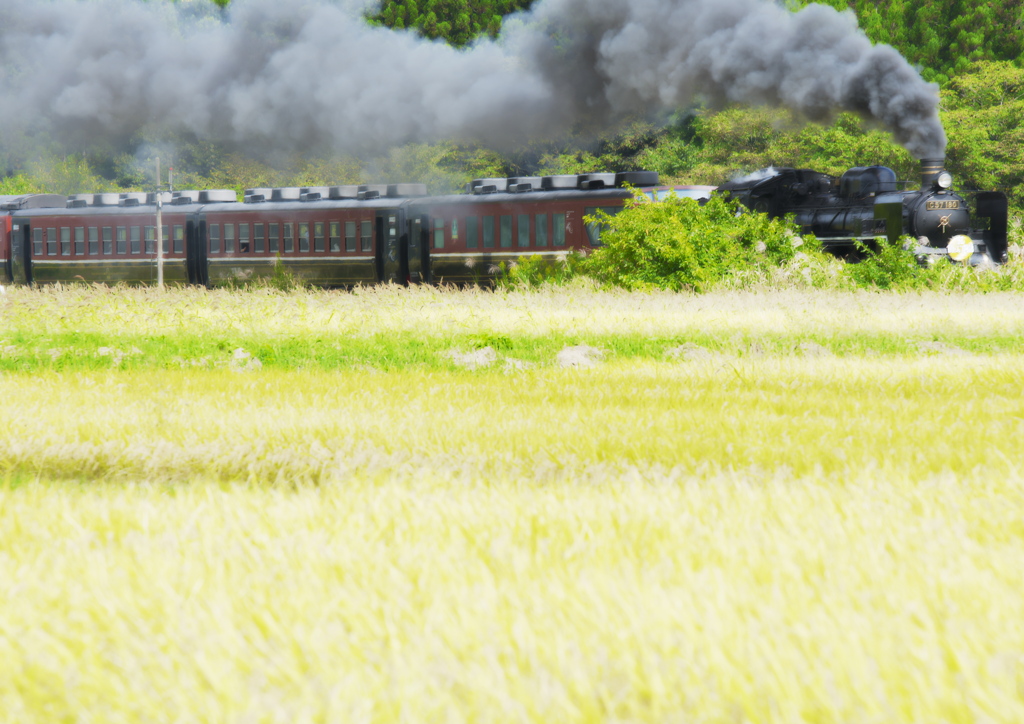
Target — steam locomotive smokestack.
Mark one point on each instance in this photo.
(312, 73)
(930, 170)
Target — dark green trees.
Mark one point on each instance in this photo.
(456, 21)
(942, 37)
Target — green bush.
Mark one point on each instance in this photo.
(536, 271)
(887, 266)
(680, 245)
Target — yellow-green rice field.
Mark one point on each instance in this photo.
(558, 506)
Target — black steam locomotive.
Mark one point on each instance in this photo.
(849, 213)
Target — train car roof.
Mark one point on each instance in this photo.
(383, 202)
(32, 201)
(140, 210)
(222, 207)
(527, 197)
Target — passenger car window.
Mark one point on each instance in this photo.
(594, 228)
(367, 235)
(243, 238)
(214, 234)
(438, 233)
(229, 238)
(275, 236)
(318, 236)
(488, 232)
(523, 229)
(350, 236)
(558, 229)
(506, 231)
(335, 236)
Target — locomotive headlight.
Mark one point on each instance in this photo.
(944, 180)
(960, 247)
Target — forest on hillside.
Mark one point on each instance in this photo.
(974, 51)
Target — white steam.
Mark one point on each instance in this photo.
(297, 74)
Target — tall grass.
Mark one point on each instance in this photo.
(83, 328)
(430, 597)
(764, 507)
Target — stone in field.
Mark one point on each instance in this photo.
(516, 365)
(472, 360)
(579, 356)
(813, 349)
(690, 352)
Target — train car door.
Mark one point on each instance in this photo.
(195, 251)
(389, 246)
(21, 267)
(5, 246)
(418, 249)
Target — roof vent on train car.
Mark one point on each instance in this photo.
(487, 186)
(131, 199)
(558, 183)
(368, 192)
(314, 193)
(399, 191)
(288, 193)
(105, 199)
(343, 192)
(79, 201)
(256, 196)
(637, 178)
(594, 181)
(182, 198)
(165, 198)
(522, 184)
(217, 196)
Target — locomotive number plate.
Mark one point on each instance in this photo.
(942, 205)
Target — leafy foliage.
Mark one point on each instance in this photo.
(983, 112)
(678, 244)
(458, 22)
(944, 37)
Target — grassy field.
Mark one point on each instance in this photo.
(423, 505)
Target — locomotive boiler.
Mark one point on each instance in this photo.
(848, 214)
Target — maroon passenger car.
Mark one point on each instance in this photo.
(331, 237)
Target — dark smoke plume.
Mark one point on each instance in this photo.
(306, 73)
